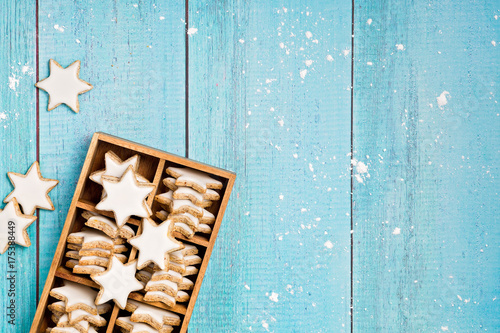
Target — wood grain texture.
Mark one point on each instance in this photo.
(287, 138)
(426, 125)
(133, 55)
(17, 145)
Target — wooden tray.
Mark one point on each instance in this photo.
(87, 194)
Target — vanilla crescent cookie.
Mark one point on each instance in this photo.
(155, 242)
(64, 85)
(125, 197)
(117, 282)
(13, 225)
(31, 190)
(198, 180)
(76, 296)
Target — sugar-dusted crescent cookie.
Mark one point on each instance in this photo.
(154, 243)
(64, 85)
(156, 317)
(131, 327)
(117, 282)
(198, 180)
(109, 227)
(31, 190)
(178, 206)
(76, 296)
(14, 223)
(125, 197)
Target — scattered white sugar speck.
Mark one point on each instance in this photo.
(444, 328)
(309, 34)
(13, 82)
(192, 31)
(369, 63)
(400, 47)
(270, 81)
(329, 58)
(282, 45)
(27, 69)
(295, 155)
(59, 28)
(311, 167)
(303, 73)
(282, 197)
(265, 325)
(361, 170)
(78, 41)
(281, 122)
(162, 18)
(247, 287)
(135, 5)
(241, 41)
(346, 52)
(328, 244)
(442, 99)
(396, 231)
(369, 21)
(274, 297)
(3, 116)
(308, 62)
(493, 43)
(302, 210)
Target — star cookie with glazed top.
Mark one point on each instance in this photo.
(31, 190)
(13, 226)
(64, 85)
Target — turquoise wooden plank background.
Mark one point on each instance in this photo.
(264, 89)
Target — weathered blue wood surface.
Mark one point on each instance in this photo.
(426, 255)
(282, 260)
(426, 120)
(17, 146)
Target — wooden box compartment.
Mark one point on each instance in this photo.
(152, 165)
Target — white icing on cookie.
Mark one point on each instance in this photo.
(115, 167)
(64, 85)
(158, 315)
(125, 322)
(125, 197)
(199, 180)
(162, 283)
(154, 243)
(98, 219)
(14, 223)
(31, 190)
(117, 282)
(76, 295)
(91, 236)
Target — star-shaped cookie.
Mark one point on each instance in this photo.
(115, 167)
(125, 197)
(155, 242)
(64, 85)
(31, 190)
(13, 226)
(117, 282)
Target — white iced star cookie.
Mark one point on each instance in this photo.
(117, 282)
(64, 85)
(13, 224)
(115, 167)
(31, 190)
(155, 242)
(125, 197)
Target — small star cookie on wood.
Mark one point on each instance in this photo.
(64, 85)
(155, 242)
(13, 226)
(117, 282)
(31, 190)
(125, 197)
